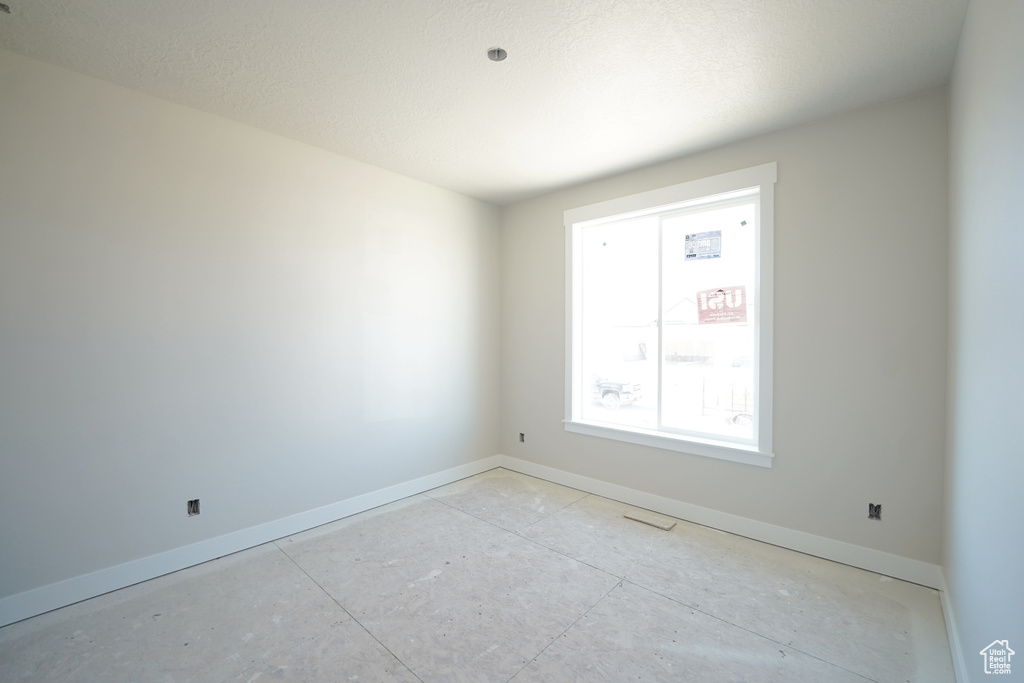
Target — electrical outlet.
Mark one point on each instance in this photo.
(875, 511)
(193, 507)
(522, 437)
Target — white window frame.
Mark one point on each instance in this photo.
(763, 178)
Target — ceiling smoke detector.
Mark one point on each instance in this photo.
(496, 54)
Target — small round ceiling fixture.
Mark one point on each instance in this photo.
(496, 54)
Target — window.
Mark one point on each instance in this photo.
(669, 307)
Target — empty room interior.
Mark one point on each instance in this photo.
(464, 341)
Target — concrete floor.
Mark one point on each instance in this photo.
(499, 577)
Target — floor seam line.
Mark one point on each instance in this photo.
(570, 557)
(585, 495)
(278, 654)
(300, 643)
(350, 615)
(477, 517)
(748, 630)
(566, 629)
(517, 533)
(564, 507)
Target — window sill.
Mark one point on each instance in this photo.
(748, 455)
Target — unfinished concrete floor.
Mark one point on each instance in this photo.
(498, 577)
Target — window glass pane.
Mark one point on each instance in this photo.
(669, 317)
(619, 320)
(708, 355)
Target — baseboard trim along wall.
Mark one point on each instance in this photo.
(37, 601)
(63, 593)
(884, 563)
(959, 666)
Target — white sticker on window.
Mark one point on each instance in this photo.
(702, 245)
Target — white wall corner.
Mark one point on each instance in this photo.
(34, 602)
(884, 563)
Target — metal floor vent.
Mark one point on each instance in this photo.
(647, 517)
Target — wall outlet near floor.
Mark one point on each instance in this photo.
(193, 507)
(874, 511)
(522, 437)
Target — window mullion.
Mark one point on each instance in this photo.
(661, 315)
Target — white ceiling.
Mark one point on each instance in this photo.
(590, 87)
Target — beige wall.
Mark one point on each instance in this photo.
(192, 308)
(984, 532)
(860, 333)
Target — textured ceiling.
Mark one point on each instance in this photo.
(590, 87)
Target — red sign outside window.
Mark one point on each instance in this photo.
(722, 305)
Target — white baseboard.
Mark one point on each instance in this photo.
(37, 601)
(45, 598)
(959, 666)
(884, 563)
